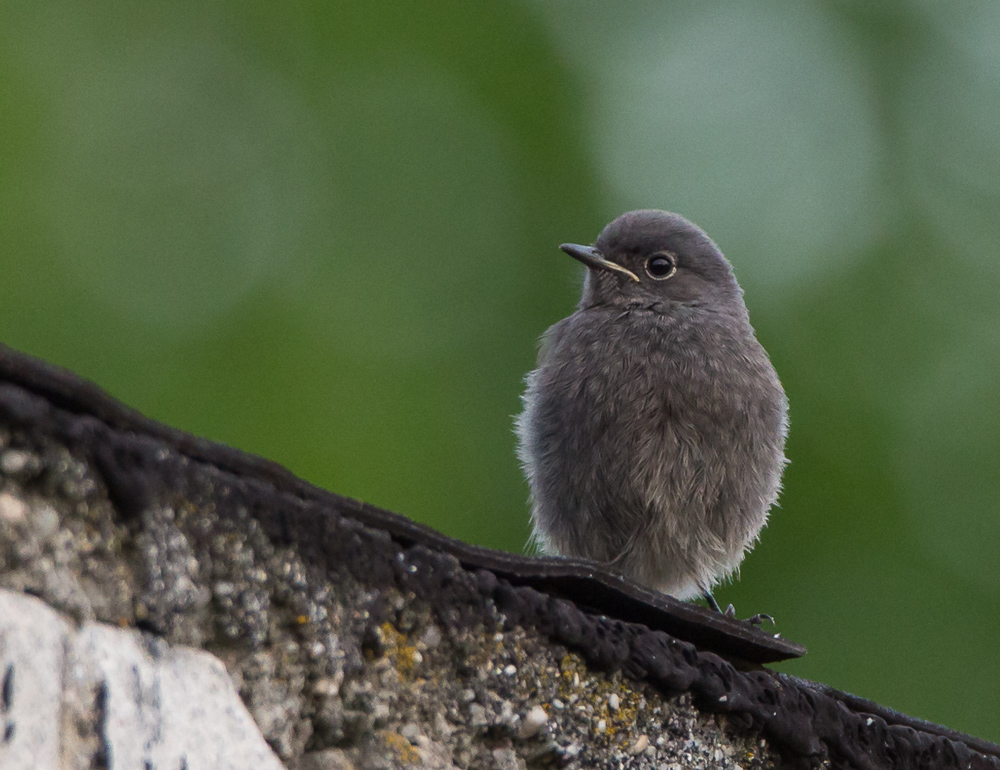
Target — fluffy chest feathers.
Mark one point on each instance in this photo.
(640, 372)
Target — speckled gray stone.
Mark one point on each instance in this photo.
(334, 673)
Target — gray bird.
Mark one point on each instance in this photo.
(654, 427)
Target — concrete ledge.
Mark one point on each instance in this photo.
(352, 637)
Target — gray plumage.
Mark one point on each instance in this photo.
(654, 427)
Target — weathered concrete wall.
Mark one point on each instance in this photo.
(300, 671)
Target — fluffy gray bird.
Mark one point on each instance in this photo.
(654, 427)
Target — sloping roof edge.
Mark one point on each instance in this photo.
(676, 646)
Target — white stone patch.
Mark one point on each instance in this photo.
(149, 704)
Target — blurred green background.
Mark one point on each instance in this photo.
(327, 233)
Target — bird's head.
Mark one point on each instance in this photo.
(652, 258)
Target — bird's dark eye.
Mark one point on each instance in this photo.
(661, 266)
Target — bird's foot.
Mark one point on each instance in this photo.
(730, 611)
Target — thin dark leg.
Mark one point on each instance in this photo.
(707, 596)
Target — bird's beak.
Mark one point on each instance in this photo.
(591, 257)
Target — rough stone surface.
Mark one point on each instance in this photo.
(333, 674)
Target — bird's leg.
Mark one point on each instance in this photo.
(729, 612)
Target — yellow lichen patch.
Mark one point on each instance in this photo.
(612, 709)
(621, 722)
(401, 748)
(404, 656)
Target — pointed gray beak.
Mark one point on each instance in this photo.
(592, 258)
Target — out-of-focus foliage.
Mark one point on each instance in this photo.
(326, 233)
